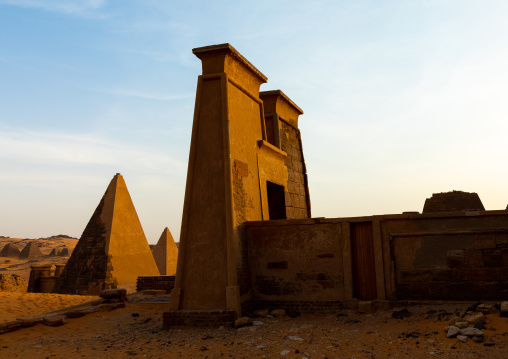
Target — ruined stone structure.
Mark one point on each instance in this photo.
(10, 250)
(165, 253)
(452, 202)
(330, 263)
(238, 171)
(64, 252)
(52, 253)
(31, 251)
(112, 251)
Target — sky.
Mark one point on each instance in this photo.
(401, 99)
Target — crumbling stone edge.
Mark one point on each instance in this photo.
(110, 299)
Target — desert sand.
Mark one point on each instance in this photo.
(21, 267)
(136, 331)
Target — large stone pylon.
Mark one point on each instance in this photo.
(165, 253)
(112, 251)
(232, 166)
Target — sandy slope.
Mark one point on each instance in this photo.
(119, 334)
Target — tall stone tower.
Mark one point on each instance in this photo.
(236, 173)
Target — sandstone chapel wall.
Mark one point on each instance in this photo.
(321, 263)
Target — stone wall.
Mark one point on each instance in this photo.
(161, 282)
(475, 268)
(297, 196)
(442, 256)
(301, 261)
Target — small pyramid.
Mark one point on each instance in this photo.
(31, 251)
(53, 253)
(64, 252)
(10, 250)
(165, 253)
(112, 251)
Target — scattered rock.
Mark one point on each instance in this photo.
(135, 314)
(29, 322)
(503, 310)
(401, 314)
(261, 313)
(120, 294)
(471, 332)
(54, 320)
(452, 331)
(354, 321)
(295, 338)
(278, 312)
(243, 322)
(462, 325)
(462, 338)
(455, 320)
(257, 323)
(480, 326)
(477, 339)
(475, 318)
(284, 352)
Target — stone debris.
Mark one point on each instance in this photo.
(54, 320)
(119, 295)
(475, 318)
(278, 313)
(284, 352)
(455, 320)
(462, 325)
(401, 314)
(471, 332)
(260, 313)
(452, 332)
(243, 322)
(462, 338)
(257, 323)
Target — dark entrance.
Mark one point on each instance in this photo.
(276, 201)
(364, 271)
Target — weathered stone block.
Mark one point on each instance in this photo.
(455, 258)
(473, 257)
(484, 243)
(365, 306)
(493, 258)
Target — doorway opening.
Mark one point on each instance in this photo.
(276, 201)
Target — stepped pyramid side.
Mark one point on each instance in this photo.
(31, 250)
(112, 251)
(10, 250)
(165, 253)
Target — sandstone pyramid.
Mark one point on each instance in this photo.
(10, 250)
(64, 252)
(112, 251)
(165, 253)
(31, 251)
(53, 253)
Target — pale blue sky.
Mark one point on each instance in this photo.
(402, 99)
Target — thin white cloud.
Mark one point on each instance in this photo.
(73, 150)
(87, 8)
(147, 95)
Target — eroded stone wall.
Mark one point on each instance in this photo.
(297, 197)
(88, 270)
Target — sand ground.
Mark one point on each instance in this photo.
(120, 334)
